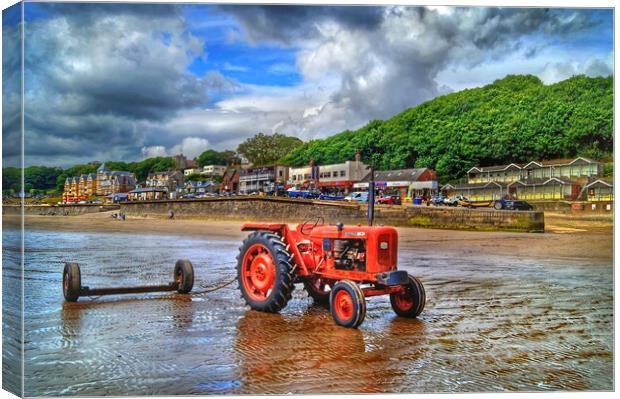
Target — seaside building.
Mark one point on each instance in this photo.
(201, 187)
(181, 162)
(192, 171)
(262, 179)
(171, 181)
(213, 170)
(418, 182)
(147, 194)
(230, 182)
(600, 190)
(560, 179)
(337, 178)
(102, 183)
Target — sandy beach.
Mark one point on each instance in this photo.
(565, 237)
(504, 312)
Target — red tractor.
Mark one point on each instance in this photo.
(340, 266)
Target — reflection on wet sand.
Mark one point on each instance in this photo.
(307, 353)
(491, 323)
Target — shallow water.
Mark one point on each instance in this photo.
(490, 324)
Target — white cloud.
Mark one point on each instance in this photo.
(154, 151)
(190, 147)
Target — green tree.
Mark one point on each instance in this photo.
(11, 179)
(263, 149)
(514, 119)
(212, 157)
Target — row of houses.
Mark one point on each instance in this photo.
(102, 183)
(563, 179)
(570, 179)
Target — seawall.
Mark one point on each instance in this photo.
(297, 210)
(57, 210)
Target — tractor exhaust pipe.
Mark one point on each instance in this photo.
(371, 197)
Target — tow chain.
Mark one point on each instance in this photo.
(209, 289)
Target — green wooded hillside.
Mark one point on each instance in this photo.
(515, 119)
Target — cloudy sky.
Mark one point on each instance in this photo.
(123, 82)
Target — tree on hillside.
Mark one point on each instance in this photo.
(514, 119)
(11, 179)
(263, 149)
(212, 157)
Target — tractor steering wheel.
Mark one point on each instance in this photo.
(307, 222)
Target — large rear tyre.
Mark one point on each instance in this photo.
(347, 304)
(184, 276)
(265, 273)
(412, 301)
(71, 282)
(317, 290)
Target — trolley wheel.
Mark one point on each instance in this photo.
(412, 301)
(347, 304)
(316, 288)
(71, 282)
(184, 275)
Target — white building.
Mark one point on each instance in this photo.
(336, 177)
(191, 171)
(213, 170)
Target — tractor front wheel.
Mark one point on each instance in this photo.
(411, 302)
(266, 276)
(347, 304)
(316, 288)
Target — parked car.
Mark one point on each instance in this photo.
(389, 200)
(329, 197)
(358, 196)
(514, 205)
(302, 194)
(455, 201)
(437, 200)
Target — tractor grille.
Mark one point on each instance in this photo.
(387, 256)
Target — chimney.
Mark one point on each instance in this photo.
(358, 156)
(311, 162)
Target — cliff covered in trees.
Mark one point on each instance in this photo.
(515, 119)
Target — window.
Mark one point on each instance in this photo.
(343, 173)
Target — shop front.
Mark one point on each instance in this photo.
(338, 187)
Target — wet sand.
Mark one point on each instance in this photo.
(504, 312)
(567, 238)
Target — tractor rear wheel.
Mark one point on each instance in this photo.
(347, 304)
(264, 271)
(71, 281)
(184, 276)
(316, 288)
(411, 302)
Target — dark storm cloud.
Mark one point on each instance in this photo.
(11, 86)
(289, 23)
(388, 58)
(111, 81)
(96, 72)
